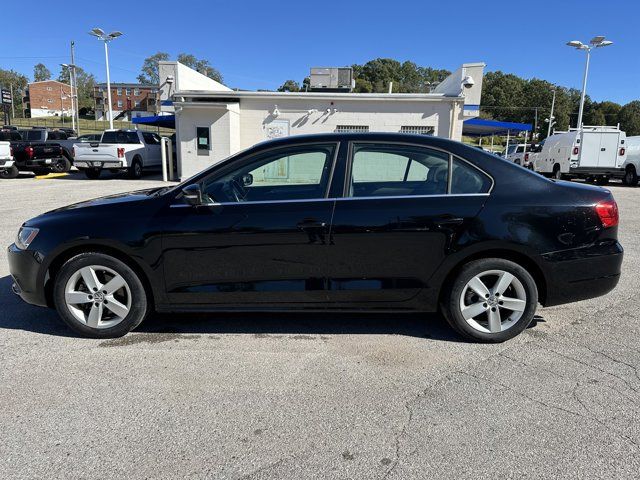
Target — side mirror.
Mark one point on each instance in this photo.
(192, 194)
(247, 179)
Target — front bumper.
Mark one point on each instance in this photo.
(579, 274)
(25, 269)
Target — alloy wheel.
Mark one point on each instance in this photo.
(98, 296)
(493, 301)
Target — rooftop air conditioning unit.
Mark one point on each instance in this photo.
(332, 79)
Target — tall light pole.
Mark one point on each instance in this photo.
(596, 42)
(551, 119)
(74, 106)
(99, 34)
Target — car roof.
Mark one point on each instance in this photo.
(427, 140)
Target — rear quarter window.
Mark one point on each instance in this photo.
(467, 179)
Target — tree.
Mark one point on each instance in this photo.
(18, 82)
(629, 118)
(289, 86)
(202, 66)
(149, 71)
(85, 83)
(41, 73)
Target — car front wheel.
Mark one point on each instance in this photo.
(99, 296)
(491, 300)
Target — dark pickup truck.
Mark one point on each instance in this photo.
(37, 157)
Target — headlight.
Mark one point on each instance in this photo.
(25, 237)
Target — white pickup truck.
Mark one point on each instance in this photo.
(119, 150)
(7, 168)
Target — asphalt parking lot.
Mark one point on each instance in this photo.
(316, 396)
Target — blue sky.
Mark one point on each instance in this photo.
(259, 44)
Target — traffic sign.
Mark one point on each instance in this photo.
(6, 96)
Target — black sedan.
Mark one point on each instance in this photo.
(333, 222)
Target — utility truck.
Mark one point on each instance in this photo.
(596, 153)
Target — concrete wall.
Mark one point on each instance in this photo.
(236, 126)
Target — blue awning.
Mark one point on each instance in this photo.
(164, 121)
(481, 127)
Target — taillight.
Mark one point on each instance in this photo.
(622, 151)
(608, 213)
(526, 157)
(120, 152)
(10, 151)
(576, 150)
(29, 152)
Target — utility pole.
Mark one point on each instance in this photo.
(13, 112)
(551, 117)
(74, 84)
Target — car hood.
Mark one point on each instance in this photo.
(110, 200)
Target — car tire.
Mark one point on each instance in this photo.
(491, 321)
(630, 177)
(11, 172)
(80, 298)
(557, 174)
(135, 170)
(62, 165)
(93, 173)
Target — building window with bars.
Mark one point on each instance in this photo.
(352, 128)
(418, 129)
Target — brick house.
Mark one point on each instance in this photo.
(48, 98)
(128, 100)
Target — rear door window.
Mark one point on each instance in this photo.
(397, 170)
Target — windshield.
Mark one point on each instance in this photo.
(120, 137)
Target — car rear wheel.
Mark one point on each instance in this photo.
(135, 170)
(11, 172)
(491, 300)
(62, 165)
(99, 296)
(93, 173)
(557, 174)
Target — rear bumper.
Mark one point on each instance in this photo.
(24, 266)
(38, 162)
(99, 164)
(583, 273)
(6, 163)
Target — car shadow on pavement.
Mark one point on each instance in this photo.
(18, 315)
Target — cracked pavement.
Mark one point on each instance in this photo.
(316, 396)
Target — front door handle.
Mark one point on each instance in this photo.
(448, 221)
(311, 224)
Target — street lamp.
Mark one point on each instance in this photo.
(596, 42)
(100, 35)
(74, 106)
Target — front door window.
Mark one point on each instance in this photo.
(294, 173)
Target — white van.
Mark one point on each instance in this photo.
(595, 152)
(632, 163)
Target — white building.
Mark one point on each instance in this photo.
(213, 122)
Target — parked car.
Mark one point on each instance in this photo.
(132, 151)
(89, 137)
(518, 153)
(7, 168)
(329, 222)
(37, 157)
(593, 153)
(53, 136)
